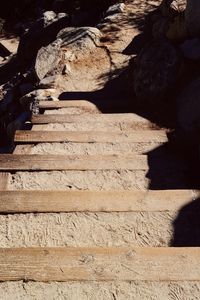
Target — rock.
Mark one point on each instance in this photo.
(47, 59)
(9, 69)
(25, 88)
(191, 49)
(82, 38)
(16, 125)
(188, 113)
(115, 9)
(49, 17)
(4, 52)
(48, 82)
(170, 8)
(159, 28)
(179, 5)
(66, 69)
(28, 101)
(7, 99)
(42, 33)
(177, 30)
(155, 71)
(192, 17)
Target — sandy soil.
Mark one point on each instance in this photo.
(86, 229)
(93, 148)
(101, 291)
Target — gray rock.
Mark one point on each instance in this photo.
(179, 5)
(169, 7)
(47, 59)
(17, 124)
(42, 33)
(155, 71)
(81, 38)
(188, 113)
(115, 9)
(29, 100)
(191, 49)
(49, 17)
(66, 70)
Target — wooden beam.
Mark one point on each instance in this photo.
(4, 181)
(12, 162)
(137, 136)
(99, 264)
(66, 104)
(107, 118)
(23, 149)
(94, 201)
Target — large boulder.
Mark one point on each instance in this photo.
(47, 59)
(42, 33)
(188, 113)
(81, 38)
(177, 30)
(192, 17)
(172, 7)
(191, 49)
(155, 71)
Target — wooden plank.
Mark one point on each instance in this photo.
(66, 104)
(99, 264)
(14, 162)
(94, 201)
(137, 136)
(23, 149)
(4, 181)
(67, 118)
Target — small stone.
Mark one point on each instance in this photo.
(115, 9)
(66, 69)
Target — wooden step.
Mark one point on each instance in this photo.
(94, 201)
(36, 162)
(4, 181)
(14, 162)
(67, 118)
(138, 136)
(99, 264)
(66, 104)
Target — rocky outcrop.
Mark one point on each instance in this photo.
(40, 34)
(192, 17)
(188, 113)
(155, 71)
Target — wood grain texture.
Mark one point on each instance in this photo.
(89, 201)
(12, 162)
(4, 181)
(66, 104)
(102, 264)
(107, 118)
(25, 136)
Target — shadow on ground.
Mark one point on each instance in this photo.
(187, 226)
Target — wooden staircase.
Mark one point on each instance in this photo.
(123, 259)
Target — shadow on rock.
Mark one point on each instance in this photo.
(171, 169)
(187, 226)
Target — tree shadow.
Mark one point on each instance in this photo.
(186, 226)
